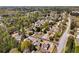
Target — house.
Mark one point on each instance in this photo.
(45, 37)
(47, 47)
(17, 36)
(31, 38)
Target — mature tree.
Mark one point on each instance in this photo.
(70, 45)
(25, 45)
(6, 41)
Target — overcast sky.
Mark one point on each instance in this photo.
(39, 2)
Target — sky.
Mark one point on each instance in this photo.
(39, 2)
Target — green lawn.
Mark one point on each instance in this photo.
(77, 49)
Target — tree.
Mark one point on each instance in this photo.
(70, 45)
(73, 24)
(6, 41)
(58, 34)
(25, 45)
(51, 38)
(45, 27)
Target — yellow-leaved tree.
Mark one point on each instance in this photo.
(25, 44)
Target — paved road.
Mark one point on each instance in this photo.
(77, 37)
(64, 37)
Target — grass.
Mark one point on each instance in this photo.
(77, 49)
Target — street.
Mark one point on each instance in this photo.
(64, 37)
